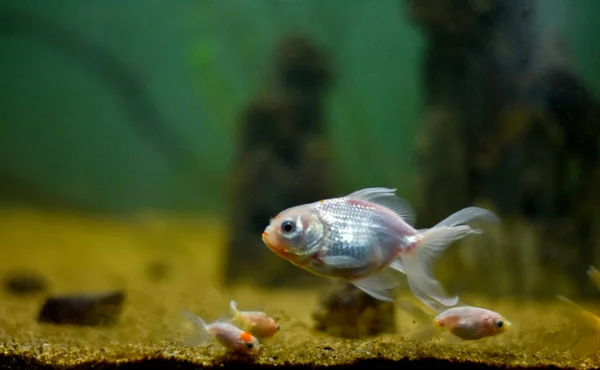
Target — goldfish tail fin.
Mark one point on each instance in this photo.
(201, 335)
(417, 313)
(429, 329)
(575, 311)
(572, 305)
(587, 340)
(417, 263)
(233, 311)
(594, 275)
(468, 214)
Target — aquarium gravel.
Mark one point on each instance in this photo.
(77, 254)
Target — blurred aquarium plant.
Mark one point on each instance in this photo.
(510, 124)
(353, 129)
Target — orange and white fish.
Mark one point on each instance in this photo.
(464, 322)
(366, 238)
(229, 335)
(594, 275)
(256, 323)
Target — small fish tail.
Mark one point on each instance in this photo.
(577, 312)
(587, 340)
(417, 263)
(412, 309)
(572, 305)
(594, 275)
(429, 329)
(233, 311)
(201, 336)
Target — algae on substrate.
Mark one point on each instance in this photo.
(80, 253)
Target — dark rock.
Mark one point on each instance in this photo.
(158, 270)
(24, 282)
(88, 309)
(348, 312)
(282, 160)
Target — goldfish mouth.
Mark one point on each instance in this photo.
(266, 239)
(278, 249)
(269, 242)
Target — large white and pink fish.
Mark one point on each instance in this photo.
(367, 238)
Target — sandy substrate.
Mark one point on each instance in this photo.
(77, 253)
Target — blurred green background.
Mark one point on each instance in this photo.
(132, 106)
(67, 132)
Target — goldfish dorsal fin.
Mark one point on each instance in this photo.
(387, 198)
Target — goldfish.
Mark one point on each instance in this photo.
(464, 322)
(368, 238)
(225, 333)
(594, 275)
(588, 339)
(256, 323)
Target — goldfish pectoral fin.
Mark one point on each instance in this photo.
(381, 285)
(387, 198)
(341, 261)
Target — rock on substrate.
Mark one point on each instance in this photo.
(86, 309)
(348, 312)
(24, 283)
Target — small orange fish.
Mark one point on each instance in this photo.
(257, 323)
(225, 333)
(464, 322)
(594, 275)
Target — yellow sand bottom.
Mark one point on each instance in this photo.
(78, 253)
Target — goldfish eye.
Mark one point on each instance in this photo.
(499, 324)
(288, 226)
(249, 345)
